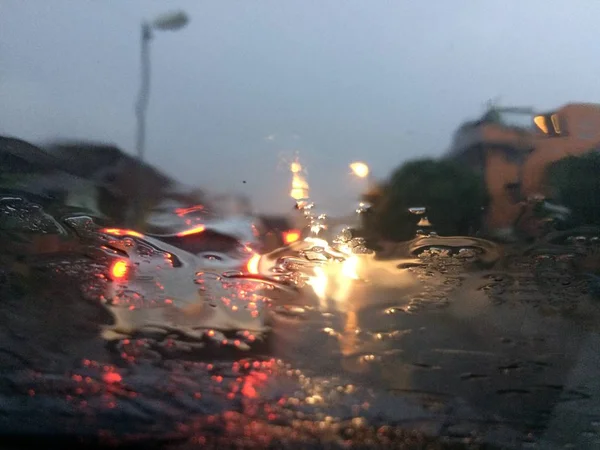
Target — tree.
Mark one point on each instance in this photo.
(574, 183)
(453, 195)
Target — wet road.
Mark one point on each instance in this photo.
(441, 349)
(502, 356)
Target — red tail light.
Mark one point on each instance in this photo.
(119, 270)
(291, 236)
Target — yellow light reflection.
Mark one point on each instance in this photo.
(540, 121)
(348, 340)
(350, 267)
(319, 284)
(299, 184)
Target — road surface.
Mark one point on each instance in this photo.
(440, 353)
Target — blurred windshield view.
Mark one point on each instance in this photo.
(299, 224)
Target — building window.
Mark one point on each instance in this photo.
(551, 125)
(540, 122)
(555, 124)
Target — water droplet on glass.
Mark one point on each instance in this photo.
(417, 210)
(363, 207)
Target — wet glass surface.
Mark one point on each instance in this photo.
(299, 224)
(445, 340)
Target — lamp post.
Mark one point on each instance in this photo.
(361, 170)
(165, 22)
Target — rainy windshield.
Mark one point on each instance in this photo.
(299, 224)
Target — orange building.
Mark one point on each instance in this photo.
(512, 148)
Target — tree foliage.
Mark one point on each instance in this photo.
(574, 183)
(453, 195)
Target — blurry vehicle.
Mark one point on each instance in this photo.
(170, 215)
(261, 233)
(277, 231)
(33, 236)
(190, 283)
(171, 261)
(166, 268)
(175, 221)
(203, 282)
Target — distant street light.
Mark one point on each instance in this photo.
(360, 169)
(165, 22)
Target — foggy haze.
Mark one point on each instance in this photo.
(246, 84)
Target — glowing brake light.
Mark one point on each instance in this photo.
(252, 265)
(119, 270)
(121, 232)
(198, 229)
(291, 236)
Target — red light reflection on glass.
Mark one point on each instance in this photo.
(112, 377)
(183, 211)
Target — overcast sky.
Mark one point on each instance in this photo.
(249, 82)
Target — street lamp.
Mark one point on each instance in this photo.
(171, 21)
(360, 169)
